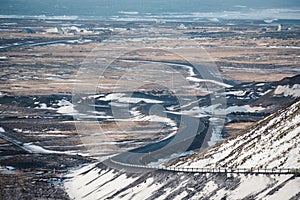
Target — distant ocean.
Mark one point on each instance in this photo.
(151, 10)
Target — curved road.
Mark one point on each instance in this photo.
(191, 135)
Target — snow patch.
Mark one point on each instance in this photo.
(198, 80)
(288, 191)
(2, 130)
(38, 149)
(214, 110)
(121, 98)
(82, 185)
(66, 108)
(286, 90)
(112, 96)
(249, 185)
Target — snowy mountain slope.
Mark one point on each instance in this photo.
(100, 182)
(273, 142)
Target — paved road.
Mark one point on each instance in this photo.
(191, 135)
(192, 130)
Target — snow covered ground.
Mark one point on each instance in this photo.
(99, 182)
